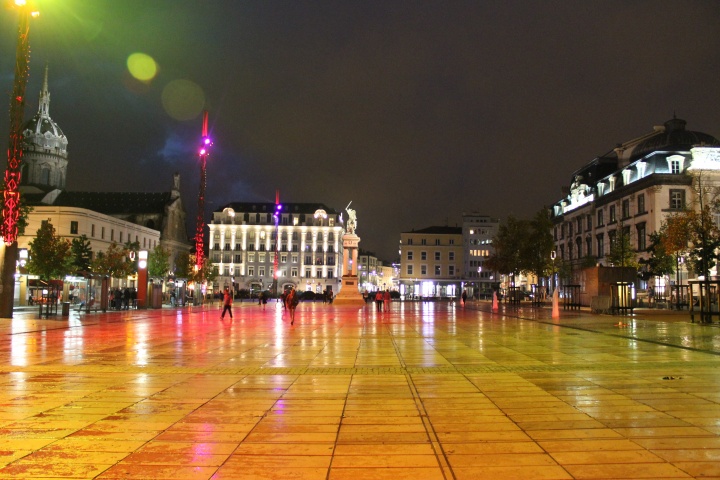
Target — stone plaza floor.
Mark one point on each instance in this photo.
(423, 391)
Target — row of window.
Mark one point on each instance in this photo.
(676, 202)
(437, 268)
(121, 238)
(423, 241)
(262, 258)
(583, 247)
(262, 247)
(424, 256)
(285, 219)
(285, 236)
(486, 275)
(263, 272)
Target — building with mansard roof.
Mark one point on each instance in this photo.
(631, 189)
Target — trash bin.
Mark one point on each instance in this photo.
(66, 309)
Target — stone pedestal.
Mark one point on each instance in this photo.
(349, 293)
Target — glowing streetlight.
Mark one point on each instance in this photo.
(200, 225)
(142, 288)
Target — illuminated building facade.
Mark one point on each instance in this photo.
(478, 233)
(632, 189)
(243, 243)
(104, 217)
(431, 262)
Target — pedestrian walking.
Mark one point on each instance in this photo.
(227, 304)
(379, 300)
(464, 297)
(292, 301)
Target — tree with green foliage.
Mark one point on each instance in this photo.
(622, 253)
(185, 268)
(524, 246)
(538, 245)
(50, 256)
(508, 244)
(693, 232)
(184, 265)
(81, 254)
(114, 262)
(208, 272)
(158, 262)
(661, 262)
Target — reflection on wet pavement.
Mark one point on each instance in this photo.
(426, 390)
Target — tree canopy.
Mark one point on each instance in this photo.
(114, 262)
(158, 262)
(523, 246)
(50, 256)
(81, 254)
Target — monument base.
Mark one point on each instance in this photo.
(349, 294)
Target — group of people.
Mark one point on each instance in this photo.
(123, 299)
(382, 299)
(290, 299)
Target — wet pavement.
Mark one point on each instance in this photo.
(423, 391)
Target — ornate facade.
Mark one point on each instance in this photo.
(44, 162)
(245, 239)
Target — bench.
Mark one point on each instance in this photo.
(91, 306)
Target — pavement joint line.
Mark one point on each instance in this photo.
(574, 367)
(518, 314)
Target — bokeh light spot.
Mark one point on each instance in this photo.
(142, 66)
(183, 99)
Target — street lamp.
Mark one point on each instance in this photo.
(678, 261)
(554, 281)
(200, 225)
(142, 279)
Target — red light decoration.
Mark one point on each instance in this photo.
(11, 194)
(200, 226)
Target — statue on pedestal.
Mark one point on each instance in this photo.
(352, 219)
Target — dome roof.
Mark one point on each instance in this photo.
(41, 131)
(673, 136)
(41, 124)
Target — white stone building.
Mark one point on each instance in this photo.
(632, 188)
(246, 239)
(478, 232)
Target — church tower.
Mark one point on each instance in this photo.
(44, 163)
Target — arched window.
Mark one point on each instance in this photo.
(45, 176)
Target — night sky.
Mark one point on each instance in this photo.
(415, 111)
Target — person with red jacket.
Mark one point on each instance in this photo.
(227, 304)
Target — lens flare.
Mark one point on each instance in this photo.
(142, 66)
(183, 99)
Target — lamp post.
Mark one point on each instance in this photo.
(678, 261)
(142, 279)
(276, 217)
(554, 281)
(200, 225)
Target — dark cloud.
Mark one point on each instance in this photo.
(416, 111)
